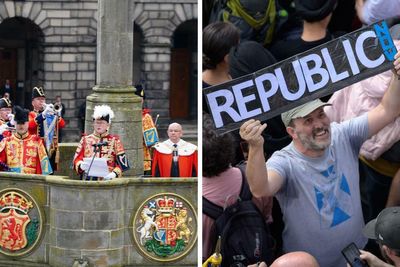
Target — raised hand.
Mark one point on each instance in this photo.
(48, 110)
(110, 176)
(396, 64)
(84, 166)
(3, 128)
(11, 119)
(251, 132)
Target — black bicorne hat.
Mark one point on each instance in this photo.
(38, 92)
(21, 115)
(5, 103)
(139, 90)
(104, 118)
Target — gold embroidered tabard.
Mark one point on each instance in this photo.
(25, 154)
(114, 152)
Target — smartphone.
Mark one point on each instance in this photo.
(352, 256)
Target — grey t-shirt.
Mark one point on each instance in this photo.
(320, 197)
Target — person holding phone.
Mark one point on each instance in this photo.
(385, 229)
(373, 261)
(352, 256)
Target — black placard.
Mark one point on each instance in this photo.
(304, 77)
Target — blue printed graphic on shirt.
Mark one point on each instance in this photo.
(333, 199)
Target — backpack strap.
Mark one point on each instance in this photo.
(245, 193)
(214, 211)
(216, 13)
(211, 210)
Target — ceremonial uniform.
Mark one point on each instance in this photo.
(150, 137)
(46, 129)
(25, 154)
(5, 110)
(163, 159)
(45, 122)
(113, 151)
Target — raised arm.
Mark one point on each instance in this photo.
(359, 9)
(389, 108)
(261, 182)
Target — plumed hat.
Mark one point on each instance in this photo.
(5, 103)
(314, 10)
(248, 57)
(21, 115)
(38, 92)
(103, 112)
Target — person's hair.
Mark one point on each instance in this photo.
(218, 38)
(218, 150)
(248, 57)
(314, 10)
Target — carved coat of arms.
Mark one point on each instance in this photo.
(19, 231)
(165, 227)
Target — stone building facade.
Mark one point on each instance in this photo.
(53, 44)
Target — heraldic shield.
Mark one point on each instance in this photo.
(20, 222)
(165, 227)
(150, 135)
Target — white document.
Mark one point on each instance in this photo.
(99, 167)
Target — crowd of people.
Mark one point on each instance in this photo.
(329, 166)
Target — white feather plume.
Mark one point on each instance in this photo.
(103, 111)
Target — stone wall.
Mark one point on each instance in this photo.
(158, 21)
(68, 51)
(93, 220)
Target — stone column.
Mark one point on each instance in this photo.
(114, 79)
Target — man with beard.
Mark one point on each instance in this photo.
(315, 178)
(385, 229)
